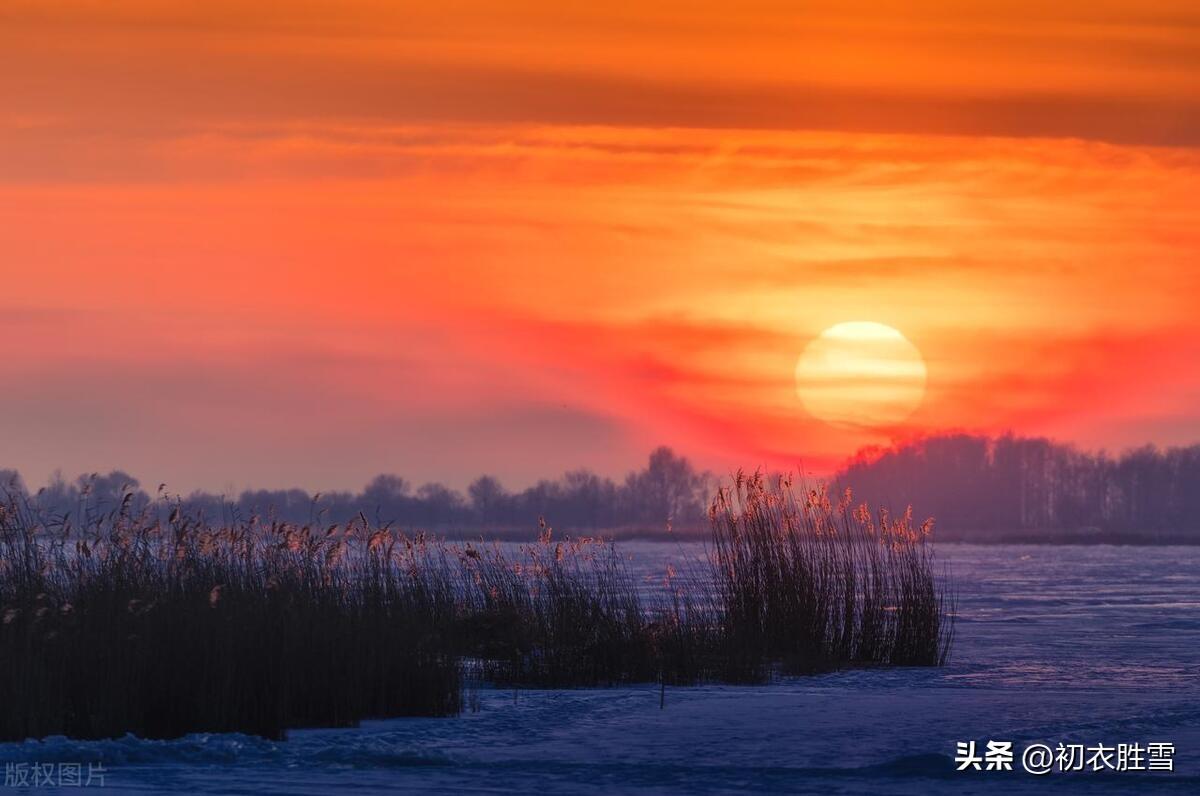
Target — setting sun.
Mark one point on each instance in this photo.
(861, 374)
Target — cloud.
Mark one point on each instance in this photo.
(1117, 73)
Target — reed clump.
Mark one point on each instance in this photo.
(160, 624)
(817, 586)
(131, 624)
(568, 613)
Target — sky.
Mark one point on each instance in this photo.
(258, 244)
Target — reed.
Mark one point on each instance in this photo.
(161, 624)
(129, 624)
(568, 613)
(818, 586)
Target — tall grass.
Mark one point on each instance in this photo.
(819, 586)
(160, 629)
(161, 624)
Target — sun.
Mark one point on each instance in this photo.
(859, 375)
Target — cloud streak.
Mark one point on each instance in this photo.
(1119, 72)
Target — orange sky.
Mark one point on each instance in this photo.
(243, 245)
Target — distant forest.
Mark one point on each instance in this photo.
(975, 487)
(978, 487)
(669, 492)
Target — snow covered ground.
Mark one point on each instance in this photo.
(1081, 645)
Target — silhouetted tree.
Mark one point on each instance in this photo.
(487, 499)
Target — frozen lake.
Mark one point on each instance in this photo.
(1081, 645)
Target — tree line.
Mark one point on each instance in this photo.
(668, 492)
(972, 483)
(975, 487)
